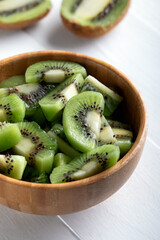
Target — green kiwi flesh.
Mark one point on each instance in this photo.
(12, 165)
(42, 178)
(12, 109)
(123, 134)
(22, 10)
(56, 100)
(63, 146)
(36, 146)
(30, 93)
(53, 71)
(31, 174)
(103, 13)
(112, 99)
(86, 165)
(58, 130)
(82, 120)
(9, 135)
(106, 135)
(61, 159)
(13, 81)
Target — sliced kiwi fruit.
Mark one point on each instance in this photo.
(86, 165)
(106, 135)
(13, 81)
(61, 159)
(63, 146)
(12, 109)
(42, 178)
(123, 134)
(31, 174)
(53, 71)
(36, 146)
(12, 165)
(30, 93)
(9, 135)
(92, 18)
(112, 99)
(58, 130)
(22, 13)
(38, 117)
(56, 100)
(82, 120)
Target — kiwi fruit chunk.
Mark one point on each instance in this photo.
(56, 100)
(82, 120)
(58, 130)
(86, 165)
(9, 135)
(13, 81)
(38, 117)
(123, 134)
(31, 174)
(112, 99)
(42, 178)
(53, 71)
(92, 18)
(61, 159)
(63, 146)
(12, 109)
(22, 13)
(12, 165)
(30, 93)
(106, 135)
(36, 146)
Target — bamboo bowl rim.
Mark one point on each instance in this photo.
(121, 163)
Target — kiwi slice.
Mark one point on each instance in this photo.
(9, 135)
(12, 109)
(92, 18)
(38, 117)
(56, 100)
(22, 13)
(106, 135)
(112, 99)
(82, 120)
(36, 146)
(61, 159)
(58, 130)
(53, 71)
(86, 165)
(13, 81)
(123, 134)
(30, 93)
(42, 178)
(12, 165)
(63, 146)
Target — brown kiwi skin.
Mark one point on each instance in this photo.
(22, 24)
(92, 31)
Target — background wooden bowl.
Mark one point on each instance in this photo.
(52, 199)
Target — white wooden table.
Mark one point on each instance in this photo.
(134, 48)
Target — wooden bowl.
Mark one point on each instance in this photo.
(63, 198)
(92, 31)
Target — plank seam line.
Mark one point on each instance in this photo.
(75, 234)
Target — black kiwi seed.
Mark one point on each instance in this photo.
(106, 11)
(20, 9)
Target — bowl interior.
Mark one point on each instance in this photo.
(131, 109)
